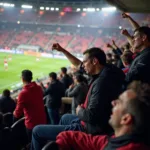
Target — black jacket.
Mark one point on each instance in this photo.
(79, 93)
(54, 93)
(67, 81)
(7, 104)
(140, 68)
(106, 87)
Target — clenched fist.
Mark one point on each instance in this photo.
(124, 32)
(57, 47)
(124, 15)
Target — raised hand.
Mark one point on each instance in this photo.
(57, 47)
(124, 32)
(108, 45)
(124, 15)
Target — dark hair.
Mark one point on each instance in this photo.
(116, 57)
(79, 77)
(127, 46)
(6, 93)
(64, 70)
(144, 30)
(97, 53)
(53, 75)
(127, 57)
(27, 75)
(139, 108)
(109, 55)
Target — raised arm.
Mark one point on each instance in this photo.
(75, 61)
(128, 36)
(133, 23)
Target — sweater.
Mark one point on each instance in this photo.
(30, 103)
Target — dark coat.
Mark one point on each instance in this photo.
(7, 104)
(79, 93)
(140, 68)
(67, 81)
(54, 93)
(105, 87)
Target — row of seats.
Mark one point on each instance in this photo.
(96, 18)
(74, 43)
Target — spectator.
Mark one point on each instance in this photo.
(126, 60)
(92, 116)
(129, 120)
(78, 91)
(53, 93)
(116, 60)
(140, 67)
(66, 79)
(30, 102)
(109, 58)
(7, 104)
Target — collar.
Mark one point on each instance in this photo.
(116, 142)
(144, 50)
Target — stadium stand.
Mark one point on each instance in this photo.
(76, 32)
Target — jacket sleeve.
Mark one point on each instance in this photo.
(20, 105)
(81, 141)
(73, 92)
(97, 102)
(139, 71)
(117, 51)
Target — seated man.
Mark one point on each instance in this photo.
(7, 104)
(129, 120)
(92, 116)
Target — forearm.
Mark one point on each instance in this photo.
(114, 46)
(130, 39)
(18, 112)
(133, 23)
(75, 61)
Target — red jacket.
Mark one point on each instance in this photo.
(30, 102)
(75, 140)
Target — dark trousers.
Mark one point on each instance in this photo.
(53, 115)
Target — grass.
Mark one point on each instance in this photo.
(11, 78)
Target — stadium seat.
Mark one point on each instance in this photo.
(19, 135)
(6, 140)
(50, 146)
(8, 119)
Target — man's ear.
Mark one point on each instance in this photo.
(144, 37)
(95, 61)
(126, 119)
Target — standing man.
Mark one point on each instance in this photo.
(30, 103)
(66, 79)
(54, 93)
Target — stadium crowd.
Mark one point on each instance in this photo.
(110, 96)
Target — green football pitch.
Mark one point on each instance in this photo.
(11, 78)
